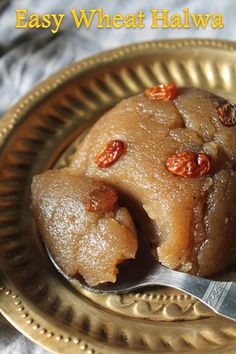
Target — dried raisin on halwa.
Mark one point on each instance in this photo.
(163, 92)
(227, 114)
(102, 199)
(112, 152)
(188, 164)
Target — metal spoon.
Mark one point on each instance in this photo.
(145, 271)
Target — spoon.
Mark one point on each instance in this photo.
(145, 271)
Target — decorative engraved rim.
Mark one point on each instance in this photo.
(18, 310)
(55, 81)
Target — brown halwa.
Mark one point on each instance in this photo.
(189, 220)
(82, 238)
(170, 156)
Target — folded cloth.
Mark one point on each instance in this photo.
(13, 342)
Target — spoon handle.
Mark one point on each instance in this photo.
(221, 297)
(218, 295)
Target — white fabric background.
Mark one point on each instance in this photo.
(29, 56)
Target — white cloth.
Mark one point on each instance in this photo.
(13, 342)
(29, 56)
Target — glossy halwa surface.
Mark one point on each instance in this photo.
(80, 241)
(190, 222)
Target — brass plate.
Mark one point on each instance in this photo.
(41, 132)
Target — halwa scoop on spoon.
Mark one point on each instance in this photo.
(93, 243)
(82, 225)
(145, 272)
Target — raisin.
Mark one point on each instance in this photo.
(227, 114)
(103, 199)
(188, 164)
(163, 92)
(111, 153)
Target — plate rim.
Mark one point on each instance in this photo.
(12, 304)
(58, 79)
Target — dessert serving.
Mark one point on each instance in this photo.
(169, 155)
(83, 226)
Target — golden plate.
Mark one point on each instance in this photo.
(40, 132)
